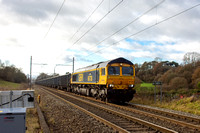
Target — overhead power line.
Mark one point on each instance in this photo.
(97, 23)
(157, 23)
(87, 19)
(54, 19)
(129, 23)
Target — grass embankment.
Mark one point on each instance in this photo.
(32, 121)
(189, 103)
(7, 85)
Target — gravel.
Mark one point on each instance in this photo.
(64, 118)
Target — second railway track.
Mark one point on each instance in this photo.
(116, 118)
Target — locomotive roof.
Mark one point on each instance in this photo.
(104, 64)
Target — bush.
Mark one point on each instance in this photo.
(178, 83)
(195, 76)
(138, 80)
(197, 83)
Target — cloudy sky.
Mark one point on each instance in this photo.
(95, 30)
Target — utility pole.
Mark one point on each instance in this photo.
(30, 71)
(73, 66)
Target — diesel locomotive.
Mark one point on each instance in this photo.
(112, 81)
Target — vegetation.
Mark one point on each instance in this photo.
(6, 84)
(187, 104)
(180, 84)
(44, 75)
(12, 74)
(171, 74)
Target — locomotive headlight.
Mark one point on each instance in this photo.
(111, 85)
(131, 86)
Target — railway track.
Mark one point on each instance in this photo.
(116, 119)
(190, 122)
(178, 122)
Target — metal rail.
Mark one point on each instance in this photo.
(142, 122)
(115, 127)
(167, 113)
(196, 127)
(182, 123)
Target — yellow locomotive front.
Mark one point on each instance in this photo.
(120, 81)
(112, 80)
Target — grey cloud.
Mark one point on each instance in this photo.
(31, 8)
(77, 57)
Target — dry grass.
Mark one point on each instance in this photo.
(187, 104)
(6, 86)
(32, 121)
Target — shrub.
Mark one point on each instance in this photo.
(197, 83)
(178, 83)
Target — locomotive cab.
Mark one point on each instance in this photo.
(121, 81)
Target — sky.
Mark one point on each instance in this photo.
(92, 31)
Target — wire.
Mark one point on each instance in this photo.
(18, 98)
(87, 19)
(128, 23)
(97, 23)
(54, 19)
(147, 28)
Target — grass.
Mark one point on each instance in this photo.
(190, 103)
(186, 105)
(6, 84)
(32, 121)
(147, 85)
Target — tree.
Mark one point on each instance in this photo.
(168, 76)
(42, 76)
(191, 58)
(195, 76)
(12, 74)
(178, 83)
(197, 83)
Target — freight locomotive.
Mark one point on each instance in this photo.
(112, 81)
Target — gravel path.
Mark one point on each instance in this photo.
(63, 118)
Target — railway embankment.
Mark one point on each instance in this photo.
(180, 100)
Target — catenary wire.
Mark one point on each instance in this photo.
(86, 19)
(157, 23)
(96, 23)
(54, 19)
(129, 23)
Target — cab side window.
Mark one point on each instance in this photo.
(103, 71)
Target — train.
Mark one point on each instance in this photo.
(111, 81)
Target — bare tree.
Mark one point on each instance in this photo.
(191, 57)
